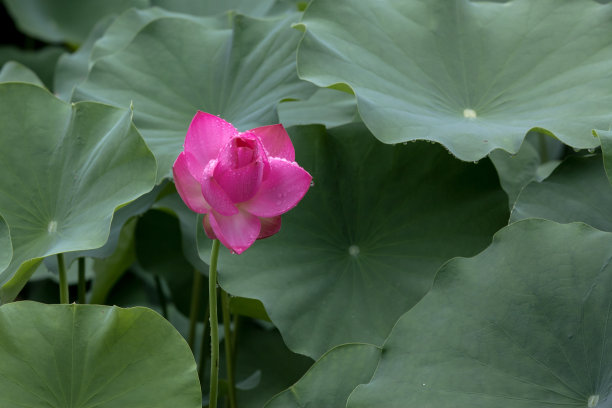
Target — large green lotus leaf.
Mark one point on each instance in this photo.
(6, 248)
(606, 149)
(65, 168)
(121, 216)
(525, 324)
(72, 68)
(125, 27)
(364, 244)
(326, 106)
(42, 61)
(68, 21)
(15, 72)
(109, 35)
(578, 190)
(93, 356)
(332, 378)
(175, 66)
(471, 76)
(531, 162)
(257, 8)
(264, 364)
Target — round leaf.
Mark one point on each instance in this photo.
(175, 66)
(64, 169)
(93, 356)
(42, 61)
(331, 379)
(473, 76)
(525, 324)
(15, 72)
(6, 249)
(606, 149)
(64, 20)
(326, 106)
(578, 190)
(364, 244)
(264, 365)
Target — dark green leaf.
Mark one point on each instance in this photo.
(364, 244)
(525, 324)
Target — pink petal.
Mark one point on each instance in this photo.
(281, 191)
(241, 166)
(269, 226)
(276, 141)
(206, 135)
(207, 228)
(237, 232)
(214, 194)
(187, 170)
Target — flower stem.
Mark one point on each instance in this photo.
(214, 325)
(161, 297)
(204, 345)
(195, 306)
(63, 279)
(82, 283)
(229, 349)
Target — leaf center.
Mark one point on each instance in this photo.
(469, 113)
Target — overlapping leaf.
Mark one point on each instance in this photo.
(67, 21)
(6, 249)
(175, 66)
(524, 324)
(65, 168)
(365, 243)
(326, 106)
(15, 72)
(264, 365)
(578, 190)
(84, 356)
(41, 61)
(331, 379)
(473, 76)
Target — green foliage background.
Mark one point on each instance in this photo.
(454, 250)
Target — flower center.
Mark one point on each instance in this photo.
(243, 152)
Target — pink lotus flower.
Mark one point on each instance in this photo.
(242, 181)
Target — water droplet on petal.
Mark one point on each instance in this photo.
(576, 149)
(405, 143)
(591, 150)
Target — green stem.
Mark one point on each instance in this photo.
(161, 297)
(235, 339)
(196, 290)
(214, 325)
(82, 283)
(204, 345)
(229, 349)
(63, 279)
